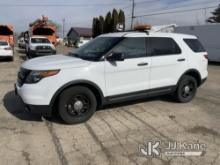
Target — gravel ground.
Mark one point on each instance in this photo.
(114, 134)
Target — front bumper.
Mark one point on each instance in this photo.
(44, 110)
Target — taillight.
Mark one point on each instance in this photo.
(206, 56)
(8, 48)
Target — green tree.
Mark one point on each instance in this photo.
(216, 16)
(101, 24)
(115, 18)
(108, 23)
(96, 27)
(121, 18)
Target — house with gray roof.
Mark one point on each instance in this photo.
(77, 34)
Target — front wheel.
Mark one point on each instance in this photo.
(77, 104)
(186, 89)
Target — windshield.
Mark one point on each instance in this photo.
(39, 40)
(3, 43)
(96, 48)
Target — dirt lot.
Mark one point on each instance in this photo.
(114, 134)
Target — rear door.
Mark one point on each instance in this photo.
(132, 74)
(167, 61)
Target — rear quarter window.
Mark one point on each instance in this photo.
(195, 45)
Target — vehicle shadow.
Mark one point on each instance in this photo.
(22, 51)
(23, 58)
(14, 105)
(166, 98)
(214, 63)
(22, 54)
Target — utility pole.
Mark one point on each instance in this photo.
(205, 15)
(132, 15)
(63, 27)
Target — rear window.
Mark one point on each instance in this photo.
(162, 46)
(195, 45)
(3, 43)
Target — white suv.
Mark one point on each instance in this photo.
(113, 68)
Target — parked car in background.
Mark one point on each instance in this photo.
(21, 43)
(39, 46)
(6, 50)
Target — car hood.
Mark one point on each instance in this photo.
(54, 62)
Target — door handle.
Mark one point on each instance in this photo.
(142, 64)
(181, 60)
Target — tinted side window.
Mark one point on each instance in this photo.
(162, 46)
(195, 45)
(132, 47)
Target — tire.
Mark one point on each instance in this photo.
(12, 59)
(186, 89)
(77, 104)
(27, 54)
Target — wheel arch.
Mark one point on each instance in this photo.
(90, 85)
(194, 73)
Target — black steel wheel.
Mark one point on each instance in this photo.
(77, 104)
(186, 89)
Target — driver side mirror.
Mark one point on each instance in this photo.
(116, 57)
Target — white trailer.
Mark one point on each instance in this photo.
(209, 35)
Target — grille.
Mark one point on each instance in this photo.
(43, 48)
(22, 75)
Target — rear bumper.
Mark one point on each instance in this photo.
(6, 57)
(8, 54)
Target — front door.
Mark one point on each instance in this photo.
(132, 74)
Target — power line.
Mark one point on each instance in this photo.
(149, 1)
(170, 12)
(57, 5)
(186, 5)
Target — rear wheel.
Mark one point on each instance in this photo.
(77, 104)
(186, 89)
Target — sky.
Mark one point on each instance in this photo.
(77, 13)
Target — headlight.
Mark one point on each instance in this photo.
(36, 76)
